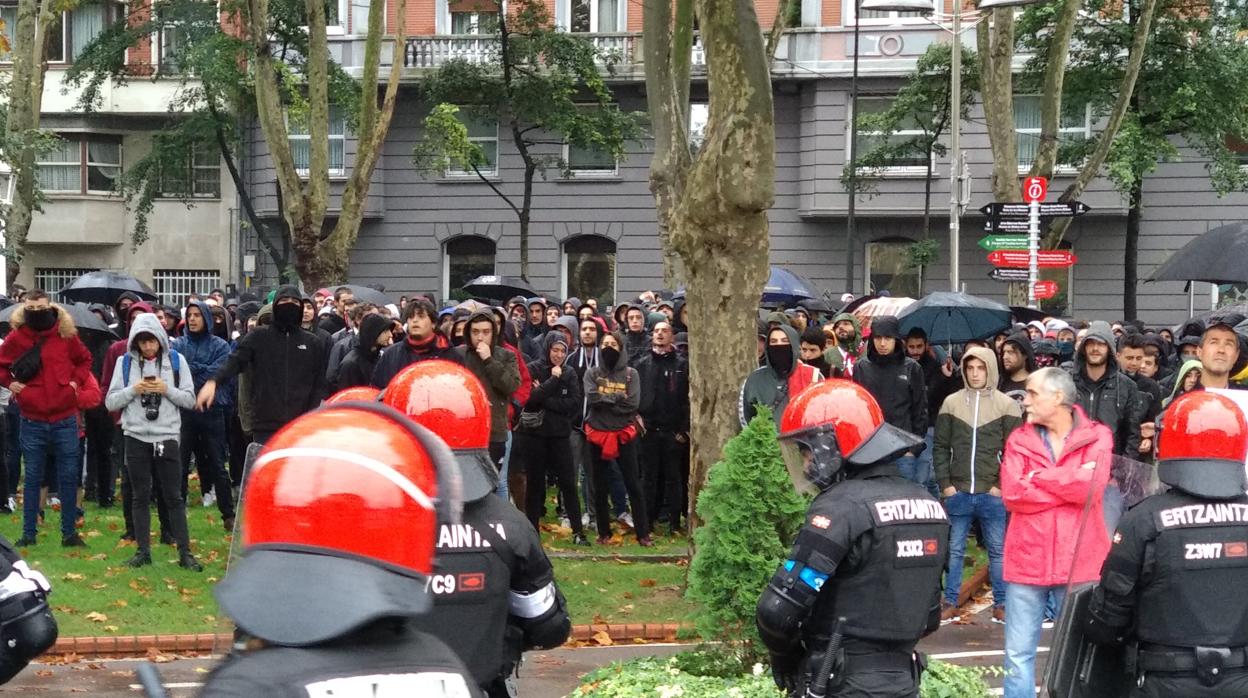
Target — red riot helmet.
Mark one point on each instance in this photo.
(339, 523)
(837, 425)
(360, 393)
(1203, 446)
(450, 401)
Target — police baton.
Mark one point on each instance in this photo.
(149, 679)
(818, 687)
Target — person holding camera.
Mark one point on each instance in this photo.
(151, 385)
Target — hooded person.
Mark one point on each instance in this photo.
(497, 368)
(680, 316)
(1018, 361)
(636, 333)
(1189, 370)
(567, 325)
(535, 318)
(781, 377)
(287, 365)
(1104, 392)
(571, 305)
(151, 389)
(841, 356)
(971, 429)
(357, 367)
(121, 308)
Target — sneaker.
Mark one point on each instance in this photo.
(12, 503)
(645, 542)
(626, 520)
(581, 540)
(564, 522)
(25, 542)
(998, 615)
(1047, 624)
(949, 613)
(55, 503)
(74, 541)
(187, 561)
(141, 559)
(604, 540)
(228, 524)
(210, 499)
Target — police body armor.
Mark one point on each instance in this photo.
(895, 541)
(27, 628)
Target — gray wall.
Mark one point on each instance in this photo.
(411, 215)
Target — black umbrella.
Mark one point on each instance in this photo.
(1219, 256)
(105, 287)
(499, 288)
(1226, 315)
(953, 318)
(84, 319)
(1025, 315)
(367, 294)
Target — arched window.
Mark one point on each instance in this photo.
(465, 258)
(888, 262)
(589, 268)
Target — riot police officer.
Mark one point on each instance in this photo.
(340, 514)
(493, 587)
(27, 628)
(864, 575)
(1172, 585)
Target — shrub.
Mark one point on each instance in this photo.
(751, 513)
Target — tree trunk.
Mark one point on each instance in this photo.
(526, 212)
(927, 212)
(667, 59)
(1131, 253)
(720, 226)
(996, 55)
(1139, 43)
(1051, 99)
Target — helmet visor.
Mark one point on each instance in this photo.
(813, 460)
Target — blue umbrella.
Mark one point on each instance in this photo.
(953, 318)
(786, 288)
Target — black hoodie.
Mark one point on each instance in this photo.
(1113, 399)
(357, 367)
(558, 397)
(1013, 388)
(664, 391)
(613, 393)
(895, 381)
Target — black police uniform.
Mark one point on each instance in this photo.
(388, 657)
(1173, 586)
(27, 628)
(494, 592)
(872, 552)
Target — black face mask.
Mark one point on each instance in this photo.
(609, 356)
(286, 316)
(41, 320)
(457, 340)
(780, 356)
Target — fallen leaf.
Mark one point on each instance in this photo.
(92, 534)
(647, 583)
(111, 628)
(603, 639)
(202, 670)
(121, 603)
(45, 673)
(99, 585)
(96, 617)
(155, 655)
(73, 577)
(622, 561)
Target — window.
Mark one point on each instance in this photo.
(591, 159)
(174, 285)
(1075, 126)
(301, 141)
(869, 140)
(589, 268)
(474, 22)
(53, 280)
(1239, 147)
(198, 177)
(88, 21)
(482, 130)
(595, 16)
(81, 164)
(878, 16)
(1060, 305)
(889, 263)
(465, 259)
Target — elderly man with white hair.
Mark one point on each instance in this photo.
(1049, 475)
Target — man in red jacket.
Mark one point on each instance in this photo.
(1053, 476)
(43, 363)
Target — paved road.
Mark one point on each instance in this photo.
(545, 674)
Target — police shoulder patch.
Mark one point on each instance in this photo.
(1117, 536)
(821, 521)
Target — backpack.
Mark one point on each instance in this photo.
(174, 359)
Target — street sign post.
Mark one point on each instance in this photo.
(1034, 191)
(1003, 242)
(1045, 289)
(1008, 274)
(1021, 259)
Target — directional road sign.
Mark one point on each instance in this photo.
(1021, 211)
(1003, 242)
(1020, 259)
(1005, 274)
(1006, 226)
(1045, 289)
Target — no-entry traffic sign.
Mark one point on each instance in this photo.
(1020, 259)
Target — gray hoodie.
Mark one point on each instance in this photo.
(123, 395)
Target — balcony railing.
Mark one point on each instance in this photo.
(434, 51)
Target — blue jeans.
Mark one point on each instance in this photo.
(1024, 612)
(13, 449)
(924, 467)
(964, 509)
(61, 438)
(503, 491)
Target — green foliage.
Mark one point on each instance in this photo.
(922, 104)
(922, 253)
(751, 513)
(652, 677)
(945, 680)
(1191, 84)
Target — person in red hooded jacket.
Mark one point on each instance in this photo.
(43, 363)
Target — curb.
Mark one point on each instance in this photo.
(204, 643)
(973, 584)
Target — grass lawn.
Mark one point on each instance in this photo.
(94, 593)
